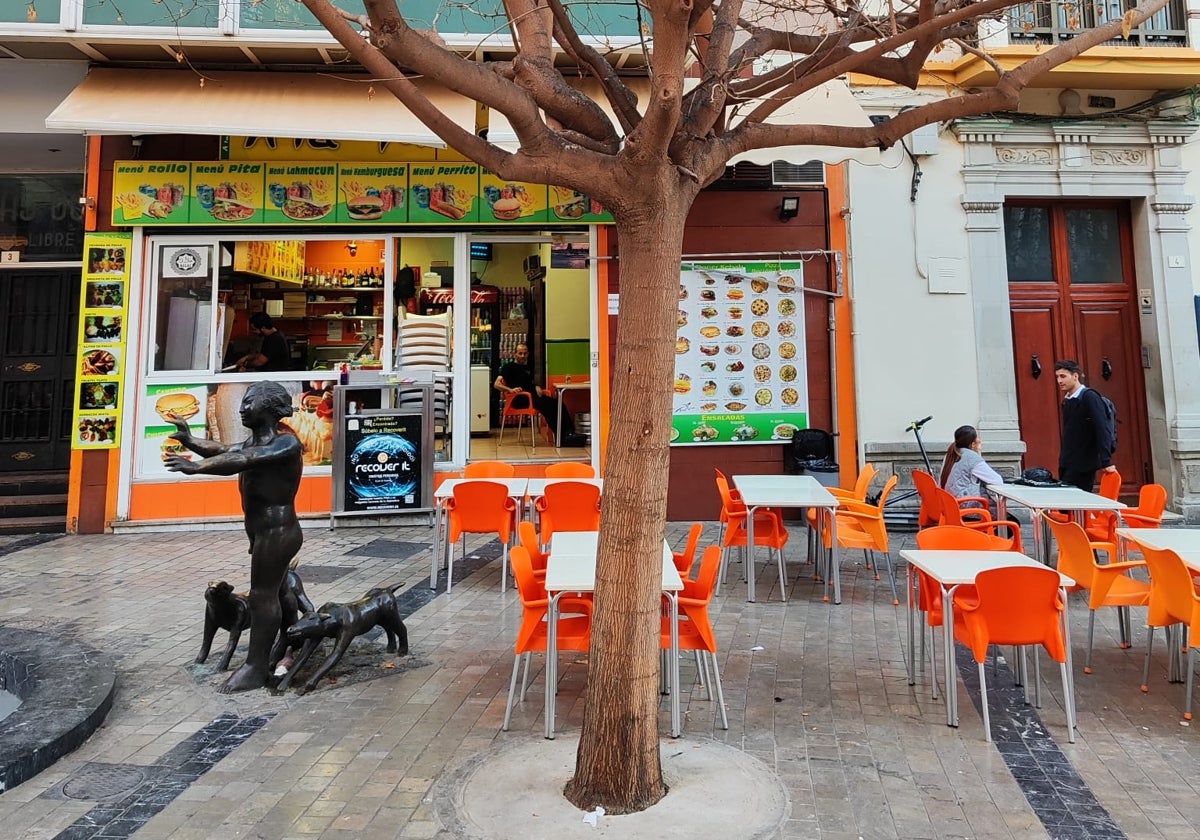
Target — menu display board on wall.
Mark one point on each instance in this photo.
(300, 192)
(276, 259)
(372, 193)
(215, 193)
(100, 364)
(151, 192)
(226, 192)
(382, 473)
(740, 367)
(444, 192)
(505, 201)
(214, 411)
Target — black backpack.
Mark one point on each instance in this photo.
(1110, 417)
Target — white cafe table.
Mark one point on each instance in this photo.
(779, 491)
(950, 570)
(516, 491)
(1041, 499)
(560, 390)
(571, 567)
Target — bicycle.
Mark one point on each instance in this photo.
(907, 517)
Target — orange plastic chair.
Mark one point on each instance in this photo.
(527, 536)
(861, 525)
(574, 627)
(568, 506)
(1173, 600)
(768, 531)
(930, 597)
(570, 469)
(479, 507)
(1110, 488)
(858, 493)
(519, 405)
(1108, 584)
(980, 519)
(695, 628)
(489, 469)
(1102, 528)
(930, 513)
(1018, 606)
(686, 558)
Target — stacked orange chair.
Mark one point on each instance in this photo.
(861, 525)
(768, 531)
(479, 507)
(1108, 585)
(568, 506)
(695, 628)
(574, 626)
(570, 469)
(1017, 606)
(980, 519)
(858, 493)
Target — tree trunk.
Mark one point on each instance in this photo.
(618, 765)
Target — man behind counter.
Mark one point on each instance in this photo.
(273, 353)
(517, 376)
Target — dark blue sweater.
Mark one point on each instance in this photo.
(1086, 434)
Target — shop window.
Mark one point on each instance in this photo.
(184, 308)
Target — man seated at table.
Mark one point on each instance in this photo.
(517, 377)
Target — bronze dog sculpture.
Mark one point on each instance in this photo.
(343, 622)
(293, 603)
(224, 609)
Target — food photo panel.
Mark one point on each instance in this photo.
(103, 329)
(104, 294)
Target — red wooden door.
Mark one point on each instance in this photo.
(1071, 286)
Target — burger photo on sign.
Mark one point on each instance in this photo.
(365, 207)
(177, 406)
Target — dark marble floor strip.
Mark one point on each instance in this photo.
(27, 542)
(1057, 793)
(168, 777)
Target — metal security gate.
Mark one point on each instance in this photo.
(39, 309)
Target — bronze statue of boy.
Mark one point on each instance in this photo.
(268, 466)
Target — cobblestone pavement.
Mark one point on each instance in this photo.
(818, 692)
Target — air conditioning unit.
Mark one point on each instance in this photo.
(797, 174)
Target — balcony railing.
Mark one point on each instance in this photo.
(1056, 21)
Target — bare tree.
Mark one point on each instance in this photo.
(647, 169)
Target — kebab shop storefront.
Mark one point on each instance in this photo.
(337, 253)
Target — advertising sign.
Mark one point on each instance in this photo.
(505, 201)
(444, 192)
(151, 192)
(740, 367)
(226, 192)
(382, 470)
(568, 205)
(100, 363)
(372, 192)
(300, 192)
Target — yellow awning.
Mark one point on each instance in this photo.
(262, 104)
(829, 104)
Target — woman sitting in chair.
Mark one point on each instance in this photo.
(964, 471)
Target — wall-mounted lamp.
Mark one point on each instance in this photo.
(352, 247)
(789, 208)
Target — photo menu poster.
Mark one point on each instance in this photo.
(100, 362)
(740, 368)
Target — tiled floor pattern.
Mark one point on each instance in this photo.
(817, 692)
(166, 779)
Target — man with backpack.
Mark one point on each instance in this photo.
(1089, 434)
